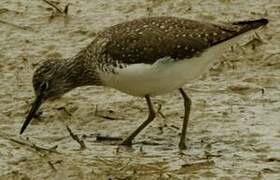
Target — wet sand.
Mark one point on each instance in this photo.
(234, 129)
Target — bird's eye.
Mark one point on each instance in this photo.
(44, 86)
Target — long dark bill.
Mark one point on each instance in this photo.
(32, 112)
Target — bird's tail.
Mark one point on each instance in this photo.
(249, 25)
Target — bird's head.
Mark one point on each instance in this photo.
(49, 82)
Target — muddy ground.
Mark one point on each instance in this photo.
(234, 130)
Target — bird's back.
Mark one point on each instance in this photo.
(146, 40)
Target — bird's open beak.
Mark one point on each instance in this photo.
(32, 112)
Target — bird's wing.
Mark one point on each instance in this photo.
(148, 39)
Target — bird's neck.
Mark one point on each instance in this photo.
(80, 71)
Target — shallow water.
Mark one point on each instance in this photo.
(234, 129)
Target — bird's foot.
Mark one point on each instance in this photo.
(127, 142)
(182, 145)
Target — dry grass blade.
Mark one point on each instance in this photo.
(33, 146)
(106, 117)
(159, 111)
(98, 114)
(107, 138)
(52, 166)
(54, 6)
(65, 110)
(148, 143)
(199, 164)
(16, 26)
(76, 138)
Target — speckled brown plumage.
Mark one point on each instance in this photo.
(148, 39)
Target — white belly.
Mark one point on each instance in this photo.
(142, 79)
(163, 76)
